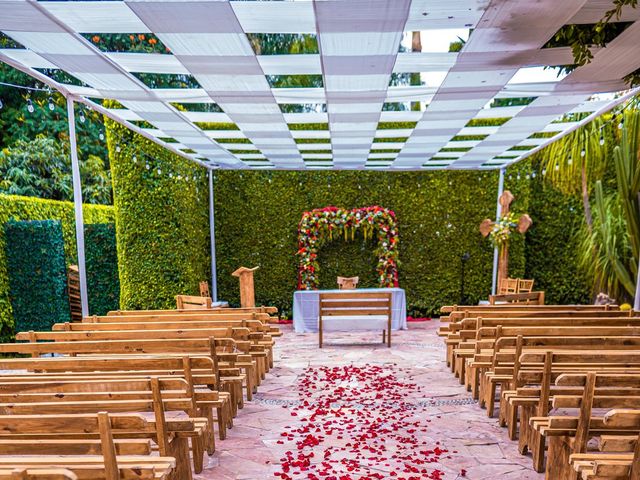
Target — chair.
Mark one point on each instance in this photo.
(348, 283)
(355, 311)
(508, 285)
(525, 286)
(204, 289)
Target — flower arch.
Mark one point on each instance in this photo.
(320, 223)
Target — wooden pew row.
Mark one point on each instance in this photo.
(504, 351)
(269, 310)
(22, 473)
(506, 307)
(158, 396)
(228, 341)
(257, 332)
(568, 435)
(456, 318)
(199, 373)
(31, 457)
(472, 357)
(468, 328)
(535, 366)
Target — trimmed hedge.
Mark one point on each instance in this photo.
(103, 285)
(161, 210)
(38, 280)
(30, 208)
(257, 215)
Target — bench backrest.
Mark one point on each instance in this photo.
(252, 325)
(269, 310)
(191, 302)
(183, 316)
(355, 304)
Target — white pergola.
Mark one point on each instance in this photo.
(358, 50)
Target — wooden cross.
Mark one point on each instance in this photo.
(524, 222)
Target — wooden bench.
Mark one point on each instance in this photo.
(199, 373)
(154, 395)
(223, 350)
(526, 298)
(619, 458)
(192, 302)
(365, 310)
(32, 455)
(268, 310)
(37, 474)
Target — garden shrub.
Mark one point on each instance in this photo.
(162, 221)
(103, 285)
(38, 279)
(30, 208)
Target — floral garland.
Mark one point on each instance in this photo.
(502, 230)
(321, 223)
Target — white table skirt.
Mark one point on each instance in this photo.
(306, 306)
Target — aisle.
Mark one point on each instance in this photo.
(353, 411)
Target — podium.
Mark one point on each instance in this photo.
(247, 296)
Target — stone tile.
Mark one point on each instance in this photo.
(477, 444)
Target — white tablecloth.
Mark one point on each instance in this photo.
(305, 308)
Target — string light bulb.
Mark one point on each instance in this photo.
(557, 167)
(101, 136)
(601, 139)
(30, 107)
(583, 152)
(621, 124)
(81, 117)
(51, 104)
(544, 171)
(533, 175)
(118, 148)
(569, 161)
(135, 158)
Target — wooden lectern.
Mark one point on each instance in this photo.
(247, 296)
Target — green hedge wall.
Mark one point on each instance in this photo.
(161, 210)
(551, 245)
(103, 285)
(38, 280)
(30, 208)
(439, 213)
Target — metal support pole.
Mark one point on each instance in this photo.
(77, 206)
(494, 277)
(212, 234)
(636, 301)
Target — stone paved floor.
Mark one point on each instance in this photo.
(483, 450)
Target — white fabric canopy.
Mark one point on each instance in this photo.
(358, 43)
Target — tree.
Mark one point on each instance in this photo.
(574, 162)
(42, 168)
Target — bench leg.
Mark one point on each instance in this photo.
(178, 448)
(197, 450)
(222, 423)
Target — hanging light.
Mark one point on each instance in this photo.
(557, 167)
(544, 171)
(583, 152)
(30, 107)
(569, 161)
(147, 166)
(101, 136)
(118, 148)
(51, 104)
(601, 139)
(533, 174)
(621, 124)
(159, 172)
(135, 158)
(518, 177)
(81, 117)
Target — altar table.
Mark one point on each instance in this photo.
(306, 304)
